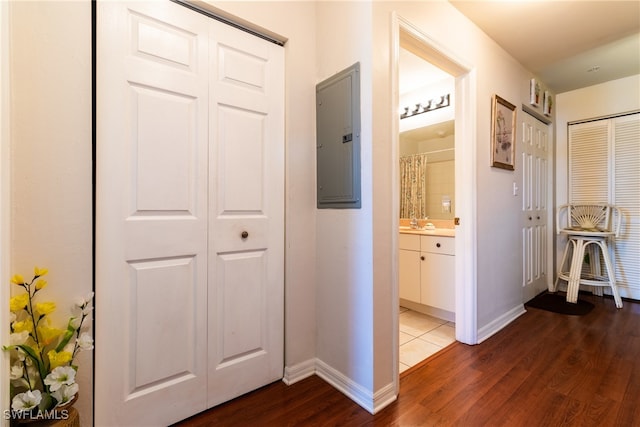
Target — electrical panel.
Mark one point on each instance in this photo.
(338, 140)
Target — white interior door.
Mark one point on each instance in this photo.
(246, 200)
(180, 295)
(535, 199)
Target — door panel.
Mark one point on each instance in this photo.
(247, 196)
(535, 151)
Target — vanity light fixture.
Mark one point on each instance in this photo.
(430, 105)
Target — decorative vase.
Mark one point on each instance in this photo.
(61, 416)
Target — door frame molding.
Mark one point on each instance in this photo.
(406, 33)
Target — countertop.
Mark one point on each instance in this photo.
(442, 232)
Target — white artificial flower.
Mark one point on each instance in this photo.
(65, 393)
(62, 375)
(85, 342)
(26, 401)
(17, 371)
(18, 338)
(83, 302)
(12, 317)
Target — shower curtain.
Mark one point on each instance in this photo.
(413, 186)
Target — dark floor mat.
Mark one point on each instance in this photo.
(557, 303)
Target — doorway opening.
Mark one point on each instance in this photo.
(462, 97)
(427, 197)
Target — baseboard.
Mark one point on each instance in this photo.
(431, 311)
(499, 323)
(346, 385)
(354, 391)
(384, 397)
(295, 373)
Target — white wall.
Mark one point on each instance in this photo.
(51, 156)
(344, 237)
(5, 200)
(499, 263)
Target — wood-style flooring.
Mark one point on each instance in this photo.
(544, 369)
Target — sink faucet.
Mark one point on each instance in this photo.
(414, 223)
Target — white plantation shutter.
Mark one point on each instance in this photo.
(604, 167)
(626, 196)
(589, 162)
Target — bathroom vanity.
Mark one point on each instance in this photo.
(427, 271)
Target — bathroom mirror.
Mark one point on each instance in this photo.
(427, 157)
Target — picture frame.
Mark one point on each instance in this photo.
(547, 103)
(503, 133)
(534, 93)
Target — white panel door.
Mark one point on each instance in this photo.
(246, 208)
(535, 199)
(151, 225)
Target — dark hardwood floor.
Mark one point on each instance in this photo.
(544, 369)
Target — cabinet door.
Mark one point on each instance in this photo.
(410, 275)
(437, 281)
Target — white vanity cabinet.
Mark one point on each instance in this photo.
(437, 272)
(427, 268)
(409, 260)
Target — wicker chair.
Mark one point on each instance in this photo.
(589, 229)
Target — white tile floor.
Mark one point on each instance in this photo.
(421, 336)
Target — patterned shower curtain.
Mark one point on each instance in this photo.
(413, 191)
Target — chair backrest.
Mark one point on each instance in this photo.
(594, 217)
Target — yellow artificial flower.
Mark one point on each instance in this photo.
(45, 307)
(39, 271)
(18, 302)
(41, 284)
(25, 325)
(17, 279)
(58, 358)
(48, 335)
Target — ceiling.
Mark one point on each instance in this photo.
(566, 44)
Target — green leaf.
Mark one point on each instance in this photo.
(67, 337)
(47, 402)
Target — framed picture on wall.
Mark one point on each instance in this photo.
(547, 104)
(534, 93)
(503, 133)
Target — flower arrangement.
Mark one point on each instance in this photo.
(42, 356)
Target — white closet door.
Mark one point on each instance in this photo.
(535, 202)
(189, 313)
(626, 196)
(151, 245)
(246, 238)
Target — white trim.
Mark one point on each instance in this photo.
(354, 391)
(298, 372)
(384, 397)
(373, 403)
(395, 207)
(345, 385)
(5, 198)
(465, 153)
(498, 324)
